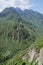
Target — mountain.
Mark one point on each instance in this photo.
(19, 31)
(16, 34)
(10, 10)
(35, 17)
(29, 15)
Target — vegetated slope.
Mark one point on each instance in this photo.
(29, 15)
(18, 31)
(23, 57)
(34, 17)
(15, 34)
(38, 44)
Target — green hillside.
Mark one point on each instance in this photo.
(19, 32)
(14, 60)
(35, 17)
(38, 44)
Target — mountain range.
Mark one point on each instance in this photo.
(19, 30)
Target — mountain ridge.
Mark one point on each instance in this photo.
(19, 31)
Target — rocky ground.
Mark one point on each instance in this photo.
(33, 55)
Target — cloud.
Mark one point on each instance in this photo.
(23, 4)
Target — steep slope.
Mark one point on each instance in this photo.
(30, 56)
(29, 15)
(16, 34)
(34, 17)
(19, 30)
(38, 44)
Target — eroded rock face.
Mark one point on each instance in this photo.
(32, 54)
(41, 57)
(37, 56)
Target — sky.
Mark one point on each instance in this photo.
(36, 5)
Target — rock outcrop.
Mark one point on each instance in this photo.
(34, 56)
(41, 57)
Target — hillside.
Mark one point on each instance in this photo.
(29, 56)
(28, 15)
(19, 31)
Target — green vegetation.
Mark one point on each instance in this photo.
(19, 32)
(38, 44)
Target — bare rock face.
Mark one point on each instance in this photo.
(41, 57)
(23, 57)
(32, 54)
(37, 56)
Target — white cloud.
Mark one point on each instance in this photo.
(23, 4)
